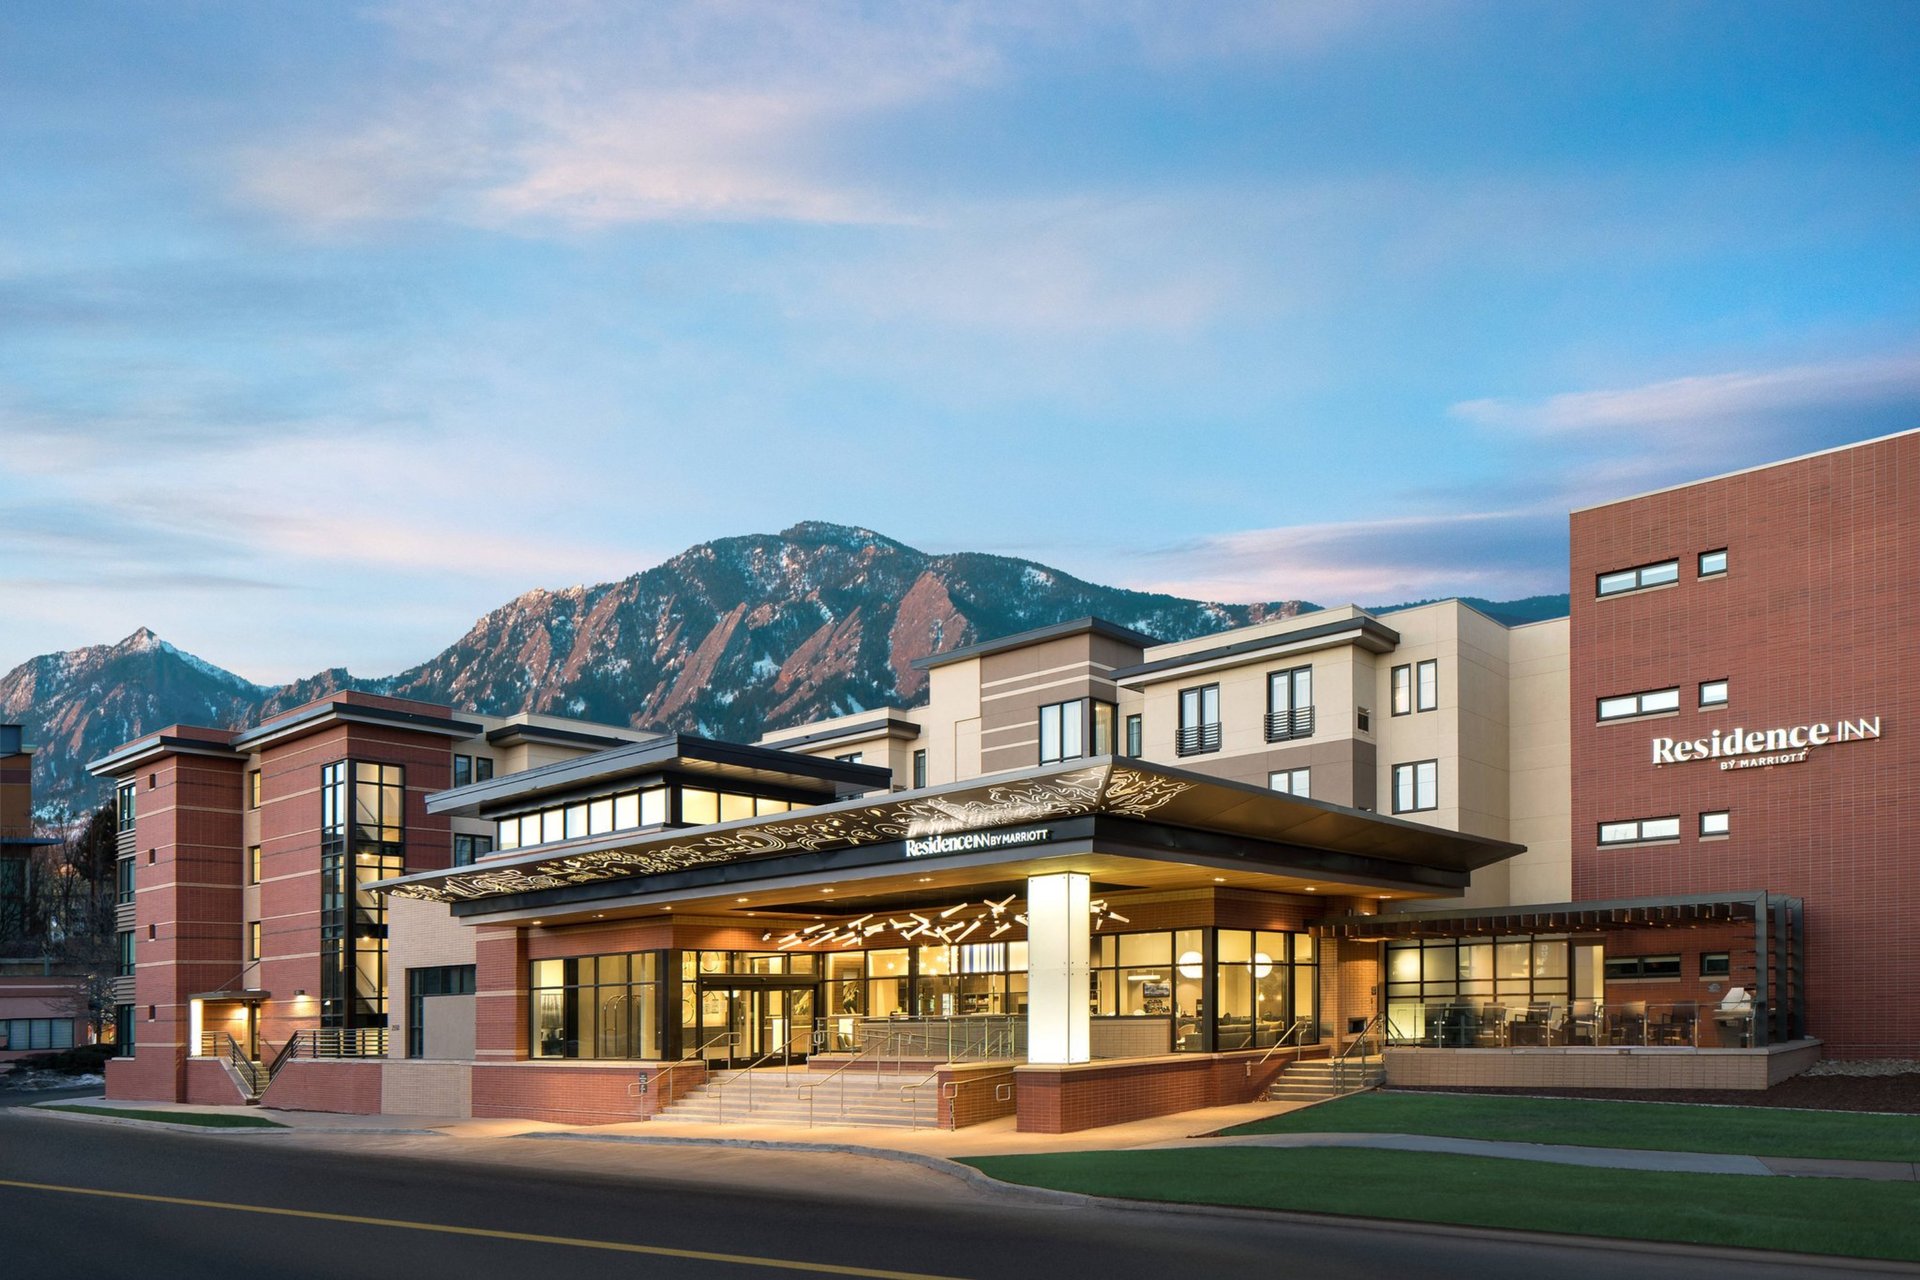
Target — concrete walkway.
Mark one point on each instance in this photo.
(1188, 1130)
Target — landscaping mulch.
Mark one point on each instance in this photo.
(1896, 1093)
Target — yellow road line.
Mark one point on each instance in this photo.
(611, 1246)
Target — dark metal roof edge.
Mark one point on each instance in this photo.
(1020, 639)
(549, 734)
(140, 748)
(890, 724)
(1364, 624)
(353, 711)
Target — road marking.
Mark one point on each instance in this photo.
(611, 1246)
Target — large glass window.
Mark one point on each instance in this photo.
(1260, 993)
(606, 1006)
(124, 804)
(1652, 702)
(467, 848)
(19, 1034)
(362, 839)
(1263, 981)
(1199, 721)
(1495, 977)
(983, 977)
(1292, 782)
(1416, 786)
(1639, 830)
(1063, 730)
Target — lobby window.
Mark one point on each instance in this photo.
(1640, 831)
(439, 980)
(1153, 975)
(253, 788)
(1262, 984)
(1400, 701)
(124, 803)
(1713, 563)
(971, 978)
(1136, 737)
(1638, 578)
(1628, 705)
(1713, 693)
(1199, 721)
(1635, 968)
(1291, 782)
(1716, 824)
(1289, 704)
(1063, 731)
(1416, 786)
(466, 848)
(606, 1006)
(1427, 685)
(919, 769)
(253, 864)
(123, 880)
(1716, 964)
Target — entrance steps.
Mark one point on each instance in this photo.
(779, 1097)
(1319, 1079)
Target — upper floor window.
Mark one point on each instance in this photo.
(123, 800)
(253, 788)
(1363, 719)
(1199, 721)
(1292, 782)
(463, 771)
(123, 877)
(467, 848)
(1289, 704)
(920, 768)
(1416, 786)
(852, 757)
(1646, 575)
(1628, 705)
(1713, 693)
(1063, 731)
(1716, 824)
(1640, 831)
(1400, 702)
(1136, 737)
(253, 864)
(1713, 563)
(1426, 696)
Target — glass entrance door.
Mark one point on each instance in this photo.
(763, 1019)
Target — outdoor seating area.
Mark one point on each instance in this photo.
(1682, 1024)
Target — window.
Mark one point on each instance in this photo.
(483, 769)
(463, 771)
(1199, 721)
(253, 940)
(440, 980)
(123, 959)
(919, 769)
(1135, 737)
(1635, 579)
(1630, 968)
(123, 801)
(253, 864)
(1713, 563)
(1063, 731)
(253, 788)
(1428, 685)
(1628, 705)
(1401, 700)
(468, 848)
(1289, 704)
(123, 880)
(605, 1006)
(1640, 831)
(1292, 782)
(1511, 971)
(1713, 693)
(362, 839)
(852, 757)
(1100, 727)
(1716, 824)
(1715, 964)
(1363, 719)
(20, 1034)
(1416, 786)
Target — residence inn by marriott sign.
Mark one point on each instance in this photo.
(1753, 748)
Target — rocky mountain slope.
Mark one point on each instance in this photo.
(728, 639)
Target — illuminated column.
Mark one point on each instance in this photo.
(1057, 968)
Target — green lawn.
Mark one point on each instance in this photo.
(205, 1119)
(1645, 1126)
(1806, 1215)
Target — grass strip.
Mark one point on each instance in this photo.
(204, 1119)
(1803, 1215)
(1643, 1126)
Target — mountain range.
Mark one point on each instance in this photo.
(728, 639)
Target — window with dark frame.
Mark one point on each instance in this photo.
(1713, 563)
(1063, 731)
(1638, 578)
(1400, 699)
(1416, 786)
(468, 849)
(462, 771)
(1630, 968)
(124, 799)
(919, 769)
(1136, 737)
(1290, 704)
(1199, 730)
(1639, 831)
(1628, 706)
(1716, 964)
(1713, 693)
(253, 864)
(1717, 823)
(253, 788)
(1291, 782)
(1427, 685)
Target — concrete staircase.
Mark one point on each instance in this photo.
(1318, 1080)
(780, 1098)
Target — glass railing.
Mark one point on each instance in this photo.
(1683, 1024)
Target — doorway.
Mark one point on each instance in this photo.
(769, 1022)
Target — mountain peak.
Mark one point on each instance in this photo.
(142, 640)
(852, 537)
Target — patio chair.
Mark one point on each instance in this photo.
(1436, 1024)
(1627, 1023)
(1583, 1023)
(1531, 1027)
(1493, 1026)
(1679, 1026)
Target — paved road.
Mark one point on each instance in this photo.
(402, 1207)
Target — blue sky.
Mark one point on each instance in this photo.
(325, 328)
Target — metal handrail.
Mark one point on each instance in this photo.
(1380, 1022)
(243, 1066)
(913, 1108)
(784, 1052)
(812, 1088)
(1299, 1026)
(1284, 726)
(951, 1092)
(699, 1055)
(1192, 740)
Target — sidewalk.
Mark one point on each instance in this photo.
(1188, 1130)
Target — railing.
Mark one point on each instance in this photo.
(784, 1052)
(1298, 1028)
(913, 1103)
(1285, 726)
(665, 1073)
(1683, 1024)
(950, 1093)
(839, 1073)
(1193, 740)
(964, 1037)
(254, 1078)
(346, 1042)
(1379, 1028)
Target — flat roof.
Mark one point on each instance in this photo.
(1743, 471)
(1369, 634)
(1021, 639)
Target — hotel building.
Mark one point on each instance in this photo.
(1095, 876)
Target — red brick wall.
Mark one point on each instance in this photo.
(209, 1084)
(1068, 1099)
(349, 1087)
(570, 1094)
(1815, 621)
